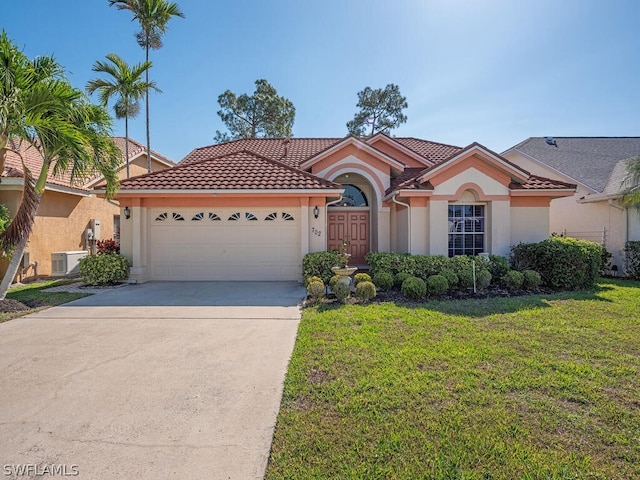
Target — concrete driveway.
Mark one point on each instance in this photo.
(154, 381)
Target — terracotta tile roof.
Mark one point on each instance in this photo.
(300, 149)
(541, 183)
(406, 180)
(242, 170)
(33, 161)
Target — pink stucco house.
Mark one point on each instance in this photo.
(251, 209)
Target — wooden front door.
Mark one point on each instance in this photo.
(353, 225)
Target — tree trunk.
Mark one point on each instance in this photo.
(126, 142)
(147, 110)
(25, 216)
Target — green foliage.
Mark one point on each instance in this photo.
(532, 279)
(104, 269)
(437, 285)
(316, 289)
(498, 267)
(391, 262)
(265, 114)
(450, 275)
(483, 278)
(380, 111)
(631, 194)
(383, 280)
(313, 278)
(632, 259)
(365, 291)
(342, 291)
(426, 266)
(414, 288)
(319, 264)
(361, 277)
(399, 278)
(563, 263)
(513, 279)
(5, 217)
(333, 281)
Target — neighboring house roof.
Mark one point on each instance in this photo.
(592, 161)
(242, 170)
(33, 161)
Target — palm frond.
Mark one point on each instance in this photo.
(22, 224)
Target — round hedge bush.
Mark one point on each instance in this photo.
(383, 280)
(399, 279)
(532, 279)
(333, 280)
(104, 269)
(313, 278)
(365, 291)
(316, 289)
(361, 277)
(513, 279)
(483, 279)
(414, 288)
(437, 285)
(342, 291)
(450, 275)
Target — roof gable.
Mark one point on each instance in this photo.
(397, 150)
(239, 171)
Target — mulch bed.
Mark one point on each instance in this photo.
(9, 305)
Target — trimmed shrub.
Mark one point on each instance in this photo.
(414, 288)
(632, 259)
(426, 266)
(361, 277)
(399, 279)
(437, 285)
(390, 262)
(513, 279)
(308, 280)
(498, 267)
(365, 291)
(450, 275)
(319, 264)
(462, 266)
(104, 269)
(483, 278)
(342, 291)
(106, 247)
(333, 280)
(563, 263)
(316, 289)
(532, 279)
(383, 280)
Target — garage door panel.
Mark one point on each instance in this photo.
(240, 249)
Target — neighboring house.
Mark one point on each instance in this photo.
(598, 166)
(251, 209)
(67, 209)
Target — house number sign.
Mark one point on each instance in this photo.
(316, 232)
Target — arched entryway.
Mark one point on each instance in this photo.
(350, 219)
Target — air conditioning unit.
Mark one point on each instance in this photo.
(66, 263)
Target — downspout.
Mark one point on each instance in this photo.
(397, 202)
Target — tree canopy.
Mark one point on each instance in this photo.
(261, 115)
(381, 110)
(631, 193)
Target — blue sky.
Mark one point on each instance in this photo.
(491, 71)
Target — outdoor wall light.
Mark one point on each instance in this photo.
(316, 212)
(127, 213)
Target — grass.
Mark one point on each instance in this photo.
(34, 298)
(537, 387)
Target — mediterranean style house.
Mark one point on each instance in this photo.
(251, 209)
(598, 166)
(67, 210)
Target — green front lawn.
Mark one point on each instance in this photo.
(536, 387)
(34, 299)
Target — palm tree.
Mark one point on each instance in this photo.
(41, 110)
(631, 194)
(126, 85)
(153, 16)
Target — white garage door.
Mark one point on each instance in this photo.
(224, 244)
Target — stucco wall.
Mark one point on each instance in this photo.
(529, 224)
(60, 224)
(139, 167)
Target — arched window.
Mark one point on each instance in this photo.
(352, 197)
